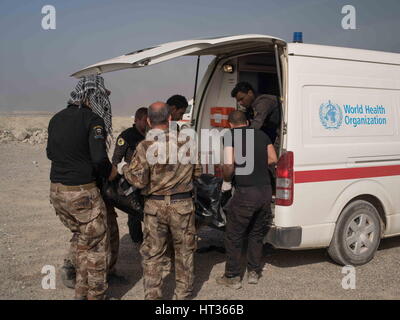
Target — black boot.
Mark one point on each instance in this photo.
(68, 274)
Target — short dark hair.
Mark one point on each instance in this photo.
(178, 101)
(140, 113)
(237, 117)
(159, 116)
(241, 87)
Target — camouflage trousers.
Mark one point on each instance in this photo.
(84, 213)
(164, 219)
(113, 235)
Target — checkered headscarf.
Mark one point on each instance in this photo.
(92, 88)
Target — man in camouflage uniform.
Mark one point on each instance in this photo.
(84, 213)
(177, 105)
(70, 262)
(68, 274)
(77, 149)
(168, 208)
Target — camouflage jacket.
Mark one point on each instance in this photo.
(166, 178)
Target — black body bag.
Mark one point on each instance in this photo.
(210, 201)
(120, 194)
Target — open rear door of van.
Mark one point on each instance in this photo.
(167, 51)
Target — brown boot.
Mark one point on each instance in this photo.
(234, 283)
(68, 274)
(252, 277)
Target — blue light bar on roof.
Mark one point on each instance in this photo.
(298, 37)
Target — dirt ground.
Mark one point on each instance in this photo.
(31, 236)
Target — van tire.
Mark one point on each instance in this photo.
(357, 234)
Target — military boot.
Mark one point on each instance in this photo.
(252, 277)
(68, 274)
(114, 278)
(234, 282)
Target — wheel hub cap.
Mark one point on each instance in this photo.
(360, 234)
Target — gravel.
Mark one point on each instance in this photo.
(31, 236)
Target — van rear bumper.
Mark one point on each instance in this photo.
(284, 238)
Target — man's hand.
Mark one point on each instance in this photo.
(226, 193)
(120, 166)
(226, 186)
(228, 168)
(272, 157)
(113, 173)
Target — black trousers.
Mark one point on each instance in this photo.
(246, 216)
(135, 228)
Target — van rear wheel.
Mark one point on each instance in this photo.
(357, 234)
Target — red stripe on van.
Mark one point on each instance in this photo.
(344, 174)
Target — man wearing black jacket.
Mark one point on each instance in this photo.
(124, 149)
(78, 153)
(264, 109)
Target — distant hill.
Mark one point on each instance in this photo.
(30, 120)
(25, 113)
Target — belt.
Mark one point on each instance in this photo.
(177, 196)
(62, 187)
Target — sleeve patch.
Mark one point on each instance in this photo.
(98, 132)
(121, 142)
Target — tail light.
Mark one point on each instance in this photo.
(284, 180)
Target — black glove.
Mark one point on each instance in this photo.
(225, 196)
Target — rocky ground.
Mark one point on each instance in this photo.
(31, 237)
(37, 136)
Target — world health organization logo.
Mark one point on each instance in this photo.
(331, 115)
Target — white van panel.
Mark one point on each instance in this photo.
(393, 223)
(365, 159)
(332, 52)
(317, 236)
(313, 82)
(317, 206)
(218, 94)
(355, 115)
(170, 50)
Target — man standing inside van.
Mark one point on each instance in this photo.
(265, 108)
(177, 107)
(251, 202)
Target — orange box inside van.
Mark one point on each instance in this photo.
(219, 116)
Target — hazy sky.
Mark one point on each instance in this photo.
(35, 64)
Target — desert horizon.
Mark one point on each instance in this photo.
(31, 126)
(43, 112)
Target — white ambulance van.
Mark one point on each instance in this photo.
(338, 176)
